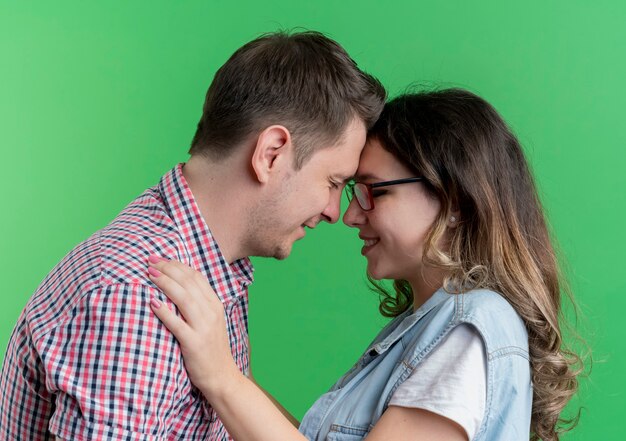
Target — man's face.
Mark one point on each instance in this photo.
(305, 197)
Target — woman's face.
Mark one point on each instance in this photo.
(394, 232)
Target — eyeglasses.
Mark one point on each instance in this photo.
(363, 192)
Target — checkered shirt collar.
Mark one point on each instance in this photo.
(205, 252)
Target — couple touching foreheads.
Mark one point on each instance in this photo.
(141, 332)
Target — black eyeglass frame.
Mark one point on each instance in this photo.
(350, 192)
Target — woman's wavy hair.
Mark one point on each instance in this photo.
(474, 165)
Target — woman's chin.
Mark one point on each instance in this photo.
(375, 273)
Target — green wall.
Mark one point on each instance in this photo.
(99, 99)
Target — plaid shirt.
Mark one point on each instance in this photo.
(88, 360)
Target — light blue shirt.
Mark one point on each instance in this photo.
(357, 401)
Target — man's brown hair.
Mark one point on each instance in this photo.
(304, 81)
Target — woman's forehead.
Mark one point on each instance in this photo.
(376, 162)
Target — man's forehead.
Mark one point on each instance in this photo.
(345, 172)
(343, 165)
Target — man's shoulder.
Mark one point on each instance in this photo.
(144, 227)
(116, 254)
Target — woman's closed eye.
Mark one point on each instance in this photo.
(377, 193)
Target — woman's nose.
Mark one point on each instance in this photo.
(354, 215)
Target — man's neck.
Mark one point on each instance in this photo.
(221, 207)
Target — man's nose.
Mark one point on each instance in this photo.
(333, 209)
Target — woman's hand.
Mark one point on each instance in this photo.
(202, 334)
(245, 410)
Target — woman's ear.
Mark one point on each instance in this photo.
(454, 217)
(273, 149)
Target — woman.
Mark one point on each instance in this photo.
(446, 206)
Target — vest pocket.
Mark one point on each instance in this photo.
(339, 432)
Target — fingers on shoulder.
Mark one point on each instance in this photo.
(174, 323)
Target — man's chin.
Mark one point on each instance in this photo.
(282, 252)
(279, 250)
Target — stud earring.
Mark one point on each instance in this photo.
(452, 219)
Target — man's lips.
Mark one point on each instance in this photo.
(303, 227)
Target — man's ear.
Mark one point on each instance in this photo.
(273, 149)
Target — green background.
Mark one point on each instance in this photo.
(98, 100)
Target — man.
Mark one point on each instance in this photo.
(282, 129)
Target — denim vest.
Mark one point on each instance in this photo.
(357, 401)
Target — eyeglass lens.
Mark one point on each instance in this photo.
(362, 196)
